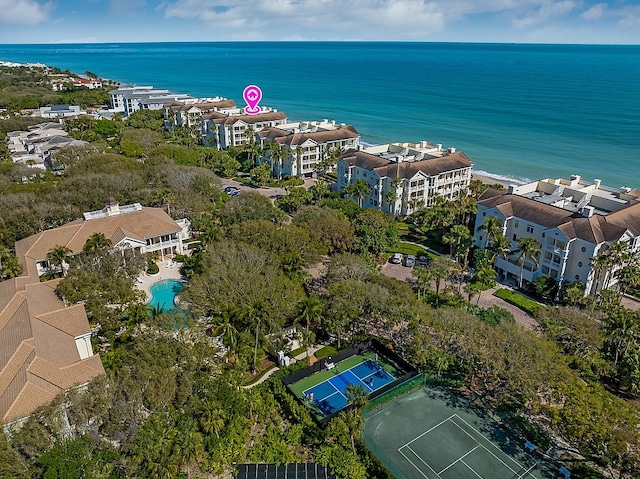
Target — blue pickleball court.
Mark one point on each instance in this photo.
(330, 395)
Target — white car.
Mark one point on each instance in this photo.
(396, 258)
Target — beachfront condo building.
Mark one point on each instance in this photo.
(572, 220)
(127, 100)
(302, 148)
(144, 230)
(235, 128)
(191, 114)
(404, 177)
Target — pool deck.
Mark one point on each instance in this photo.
(145, 281)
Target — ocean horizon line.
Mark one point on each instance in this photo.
(371, 42)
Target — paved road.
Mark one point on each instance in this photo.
(269, 192)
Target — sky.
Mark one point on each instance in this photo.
(503, 21)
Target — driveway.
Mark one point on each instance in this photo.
(487, 299)
(269, 192)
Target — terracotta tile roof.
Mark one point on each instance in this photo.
(30, 398)
(77, 373)
(72, 320)
(148, 222)
(42, 299)
(250, 119)
(596, 229)
(214, 115)
(628, 218)
(24, 354)
(406, 169)
(292, 140)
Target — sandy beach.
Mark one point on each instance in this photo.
(490, 181)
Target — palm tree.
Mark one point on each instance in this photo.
(97, 242)
(501, 247)
(492, 228)
(358, 398)
(359, 189)
(212, 417)
(57, 256)
(189, 448)
(299, 152)
(258, 314)
(440, 268)
(310, 311)
(228, 331)
(602, 265)
(529, 248)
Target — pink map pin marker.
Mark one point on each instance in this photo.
(252, 95)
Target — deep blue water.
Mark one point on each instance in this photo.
(525, 111)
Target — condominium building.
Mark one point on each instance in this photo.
(304, 145)
(127, 100)
(572, 220)
(229, 128)
(404, 177)
(190, 114)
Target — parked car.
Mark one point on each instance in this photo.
(423, 261)
(410, 261)
(396, 258)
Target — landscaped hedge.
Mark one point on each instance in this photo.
(153, 269)
(525, 304)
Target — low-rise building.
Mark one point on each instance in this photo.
(404, 177)
(190, 114)
(133, 226)
(571, 219)
(127, 100)
(35, 147)
(304, 145)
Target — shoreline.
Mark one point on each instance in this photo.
(486, 177)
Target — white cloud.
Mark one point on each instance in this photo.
(24, 11)
(630, 16)
(548, 10)
(594, 13)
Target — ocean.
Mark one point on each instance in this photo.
(519, 111)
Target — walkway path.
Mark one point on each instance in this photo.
(301, 356)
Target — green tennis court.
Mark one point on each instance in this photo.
(426, 435)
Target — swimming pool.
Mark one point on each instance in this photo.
(163, 294)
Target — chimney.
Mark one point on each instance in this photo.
(596, 183)
(439, 146)
(399, 159)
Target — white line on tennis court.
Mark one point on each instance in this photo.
(482, 435)
(459, 459)
(416, 467)
(427, 432)
(471, 469)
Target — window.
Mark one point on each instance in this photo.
(516, 224)
(515, 237)
(579, 264)
(561, 244)
(554, 273)
(484, 213)
(547, 255)
(545, 270)
(577, 277)
(584, 250)
(529, 229)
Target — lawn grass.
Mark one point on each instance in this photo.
(408, 248)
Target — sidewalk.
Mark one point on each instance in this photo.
(302, 356)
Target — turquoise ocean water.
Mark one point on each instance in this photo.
(519, 111)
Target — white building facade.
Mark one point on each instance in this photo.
(404, 177)
(572, 220)
(304, 145)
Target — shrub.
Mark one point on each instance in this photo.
(525, 304)
(153, 269)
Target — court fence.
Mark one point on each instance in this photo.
(382, 457)
(407, 386)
